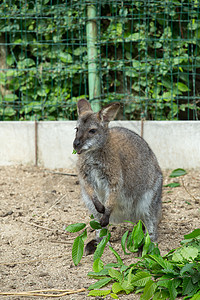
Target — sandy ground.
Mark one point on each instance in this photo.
(35, 251)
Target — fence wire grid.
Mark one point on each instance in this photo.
(144, 54)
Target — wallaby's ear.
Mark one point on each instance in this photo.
(109, 112)
(82, 106)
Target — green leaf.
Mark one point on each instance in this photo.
(196, 296)
(10, 59)
(119, 260)
(77, 250)
(163, 263)
(79, 51)
(26, 63)
(65, 57)
(138, 235)
(182, 87)
(140, 278)
(177, 173)
(172, 185)
(194, 234)
(75, 227)
(163, 294)
(102, 273)
(147, 243)
(187, 268)
(10, 97)
(189, 253)
(99, 293)
(116, 287)
(101, 246)
(149, 290)
(9, 111)
(95, 225)
(172, 290)
(186, 253)
(114, 296)
(115, 275)
(103, 232)
(98, 265)
(188, 286)
(99, 284)
(84, 235)
(127, 286)
(123, 242)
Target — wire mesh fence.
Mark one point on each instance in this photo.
(145, 54)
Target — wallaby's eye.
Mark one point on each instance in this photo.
(76, 128)
(92, 131)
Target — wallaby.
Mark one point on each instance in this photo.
(119, 174)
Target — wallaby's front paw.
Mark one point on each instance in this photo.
(98, 205)
(104, 221)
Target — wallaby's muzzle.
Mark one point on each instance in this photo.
(77, 145)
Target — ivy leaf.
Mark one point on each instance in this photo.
(182, 87)
(10, 97)
(77, 250)
(75, 227)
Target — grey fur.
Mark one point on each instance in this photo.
(119, 174)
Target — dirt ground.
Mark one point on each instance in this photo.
(35, 251)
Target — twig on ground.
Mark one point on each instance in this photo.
(192, 196)
(40, 293)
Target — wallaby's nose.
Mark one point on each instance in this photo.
(76, 143)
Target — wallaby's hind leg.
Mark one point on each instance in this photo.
(152, 218)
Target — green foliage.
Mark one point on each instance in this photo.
(149, 55)
(154, 276)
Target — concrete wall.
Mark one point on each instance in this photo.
(176, 144)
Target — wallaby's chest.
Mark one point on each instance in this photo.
(94, 173)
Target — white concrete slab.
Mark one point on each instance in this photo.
(55, 144)
(17, 143)
(175, 143)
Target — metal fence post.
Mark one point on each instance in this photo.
(93, 76)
